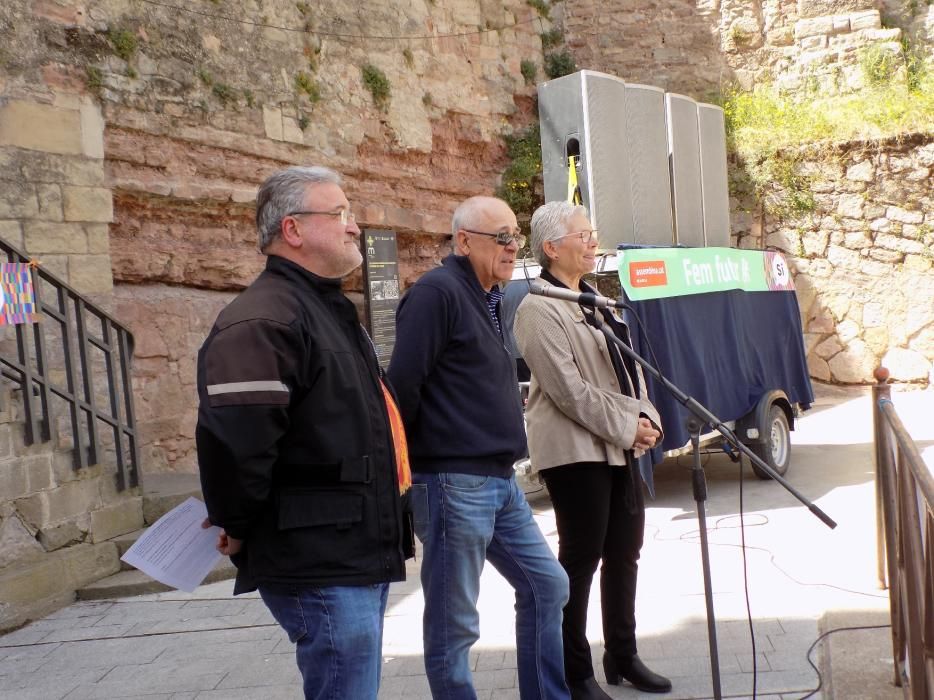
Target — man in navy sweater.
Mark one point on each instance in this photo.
(458, 395)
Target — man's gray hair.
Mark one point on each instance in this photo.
(549, 223)
(466, 213)
(282, 193)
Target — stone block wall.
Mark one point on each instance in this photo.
(55, 522)
(863, 260)
(55, 203)
(133, 136)
(164, 122)
(699, 47)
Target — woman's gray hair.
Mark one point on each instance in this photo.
(282, 193)
(549, 223)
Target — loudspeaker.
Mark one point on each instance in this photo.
(684, 154)
(652, 165)
(648, 165)
(582, 114)
(714, 186)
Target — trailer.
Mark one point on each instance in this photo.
(731, 341)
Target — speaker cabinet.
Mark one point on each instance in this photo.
(714, 186)
(651, 167)
(684, 154)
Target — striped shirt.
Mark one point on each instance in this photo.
(493, 297)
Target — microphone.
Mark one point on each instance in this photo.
(583, 298)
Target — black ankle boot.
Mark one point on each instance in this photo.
(634, 671)
(587, 690)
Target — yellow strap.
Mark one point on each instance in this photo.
(574, 191)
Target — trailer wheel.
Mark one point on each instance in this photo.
(776, 450)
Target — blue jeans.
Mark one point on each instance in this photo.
(338, 637)
(462, 520)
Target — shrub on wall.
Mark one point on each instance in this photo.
(525, 167)
(378, 84)
(766, 126)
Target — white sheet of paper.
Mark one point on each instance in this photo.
(176, 550)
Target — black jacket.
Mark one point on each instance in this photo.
(294, 444)
(455, 380)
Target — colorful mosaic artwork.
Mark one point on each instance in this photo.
(17, 296)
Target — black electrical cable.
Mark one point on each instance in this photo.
(820, 678)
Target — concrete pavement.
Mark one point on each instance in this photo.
(802, 579)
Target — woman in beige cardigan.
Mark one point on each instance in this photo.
(588, 420)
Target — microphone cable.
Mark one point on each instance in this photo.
(693, 535)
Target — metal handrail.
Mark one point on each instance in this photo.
(905, 544)
(85, 335)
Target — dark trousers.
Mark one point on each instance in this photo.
(600, 515)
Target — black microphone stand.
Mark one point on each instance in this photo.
(699, 483)
(702, 416)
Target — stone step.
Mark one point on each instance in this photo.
(134, 582)
(124, 542)
(162, 492)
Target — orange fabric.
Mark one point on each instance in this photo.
(403, 469)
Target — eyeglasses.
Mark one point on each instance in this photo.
(503, 238)
(586, 236)
(345, 215)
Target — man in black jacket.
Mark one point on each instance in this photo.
(300, 444)
(460, 401)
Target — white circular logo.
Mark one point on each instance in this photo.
(780, 271)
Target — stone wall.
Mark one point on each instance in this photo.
(55, 521)
(133, 136)
(162, 123)
(700, 47)
(863, 260)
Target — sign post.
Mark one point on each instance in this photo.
(381, 289)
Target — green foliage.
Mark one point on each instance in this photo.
(408, 57)
(559, 63)
(224, 93)
(915, 65)
(879, 65)
(525, 166)
(250, 98)
(540, 6)
(303, 122)
(428, 100)
(205, 77)
(529, 71)
(95, 79)
(303, 8)
(305, 83)
(131, 73)
(766, 129)
(552, 38)
(378, 84)
(124, 42)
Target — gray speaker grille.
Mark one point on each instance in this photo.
(607, 185)
(716, 194)
(648, 165)
(685, 169)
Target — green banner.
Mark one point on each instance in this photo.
(655, 273)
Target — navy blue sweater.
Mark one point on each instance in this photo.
(455, 381)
